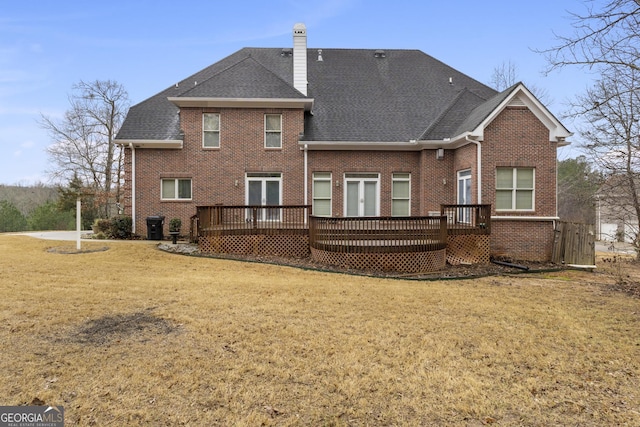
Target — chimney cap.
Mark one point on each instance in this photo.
(299, 29)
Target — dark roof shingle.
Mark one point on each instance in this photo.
(358, 96)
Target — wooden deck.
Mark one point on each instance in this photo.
(362, 242)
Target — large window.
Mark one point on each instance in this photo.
(273, 131)
(401, 194)
(515, 189)
(322, 193)
(176, 189)
(211, 130)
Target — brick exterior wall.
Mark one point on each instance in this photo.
(215, 172)
(383, 163)
(522, 240)
(516, 138)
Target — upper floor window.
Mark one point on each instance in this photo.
(400, 194)
(211, 130)
(515, 189)
(176, 189)
(273, 131)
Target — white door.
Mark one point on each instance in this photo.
(264, 190)
(464, 195)
(362, 195)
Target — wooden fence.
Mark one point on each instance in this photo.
(574, 244)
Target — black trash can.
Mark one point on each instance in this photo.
(154, 227)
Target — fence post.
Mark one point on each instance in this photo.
(78, 223)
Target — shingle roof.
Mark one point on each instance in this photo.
(358, 96)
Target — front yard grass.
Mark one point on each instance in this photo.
(135, 336)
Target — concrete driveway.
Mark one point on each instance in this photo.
(615, 247)
(56, 235)
(72, 236)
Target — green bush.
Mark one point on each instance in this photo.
(120, 227)
(101, 225)
(175, 224)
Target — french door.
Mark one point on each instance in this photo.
(264, 189)
(464, 195)
(362, 194)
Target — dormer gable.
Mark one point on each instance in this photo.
(517, 96)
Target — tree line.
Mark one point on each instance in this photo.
(40, 207)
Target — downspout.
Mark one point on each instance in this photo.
(133, 188)
(306, 179)
(479, 154)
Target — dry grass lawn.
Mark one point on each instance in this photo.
(135, 336)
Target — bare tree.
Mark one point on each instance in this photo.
(607, 37)
(611, 109)
(83, 143)
(505, 75)
(606, 40)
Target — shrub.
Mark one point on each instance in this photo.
(120, 227)
(101, 226)
(175, 224)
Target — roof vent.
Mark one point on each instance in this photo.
(516, 101)
(320, 55)
(286, 52)
(379, 54)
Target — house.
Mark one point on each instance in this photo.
(616, 217)
(352, 132)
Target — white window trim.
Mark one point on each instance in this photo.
(329, 179)
(176, 198)
(395, 178)
(514, 189)
(266, 131)
(219, 132)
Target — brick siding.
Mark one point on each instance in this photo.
(516, 138)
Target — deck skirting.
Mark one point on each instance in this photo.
(405, 262)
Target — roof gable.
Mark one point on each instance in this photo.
(244, 79)
(516, 95)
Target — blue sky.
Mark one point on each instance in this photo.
(147, 46)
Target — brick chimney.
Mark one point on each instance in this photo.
(300, 58)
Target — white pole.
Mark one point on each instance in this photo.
(78, 223)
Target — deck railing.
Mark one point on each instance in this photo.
(467, 219)
(378, 234)
(334, 234)
(238, 220)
